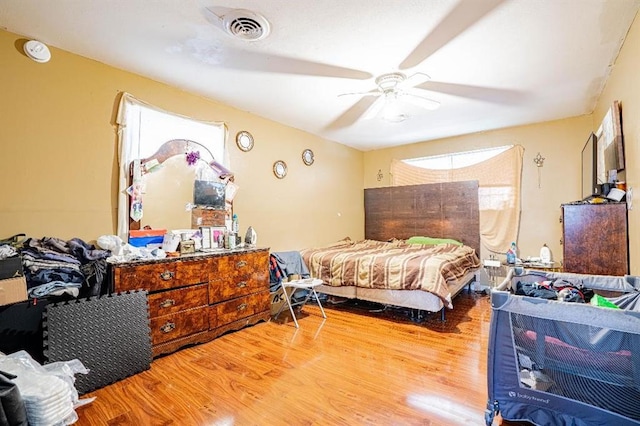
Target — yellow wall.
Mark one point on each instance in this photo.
(559, 142)
(623, 85)
(59, 156)
(58, 146)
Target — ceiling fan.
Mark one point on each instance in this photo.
(392, 90)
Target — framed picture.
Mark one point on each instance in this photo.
(205, 231)
(216, 232)
(610, 145)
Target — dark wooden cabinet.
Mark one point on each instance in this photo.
(595, 238)
(196, 298)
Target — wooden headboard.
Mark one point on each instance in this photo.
(440, 210)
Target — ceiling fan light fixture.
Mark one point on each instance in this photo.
(392, 111)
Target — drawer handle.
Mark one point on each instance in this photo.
(166, 275)
(242, 307)
(167, 303)
(168, 327)
(241, 264)
(241, 284)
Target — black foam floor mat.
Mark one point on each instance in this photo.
(110, 335)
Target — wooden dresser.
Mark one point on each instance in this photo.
(595, 239)
(196, 298)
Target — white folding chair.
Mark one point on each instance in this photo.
(308, 284)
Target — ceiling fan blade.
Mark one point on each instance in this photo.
(261, 62)
(486, 94)
(374, 92)
(461, 17)
(352, 115)
(414, 97)
(374, 109)
(416, 79)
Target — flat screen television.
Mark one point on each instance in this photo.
(209, 194)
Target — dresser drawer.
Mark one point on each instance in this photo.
(226, 312)
(230, 288)
(161, 275)
(172, 301)
(238, 275)
(180, 324)
(239, 265)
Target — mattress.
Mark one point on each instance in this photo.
(371, 266)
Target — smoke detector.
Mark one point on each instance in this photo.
(241, 23)
(37, 51)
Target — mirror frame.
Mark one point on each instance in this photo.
(244, 141)
(280, 169)
(166, 151)
(307, 157)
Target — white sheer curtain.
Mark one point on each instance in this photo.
(499, 180)
(142, 129)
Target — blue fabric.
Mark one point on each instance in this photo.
(50, 287)
(291, 263)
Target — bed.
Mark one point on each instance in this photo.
(384, 268)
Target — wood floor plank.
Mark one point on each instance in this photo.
(357, 367)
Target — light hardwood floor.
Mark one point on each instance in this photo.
(354, 368)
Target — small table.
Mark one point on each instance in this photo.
(550, 267)
(495, 270)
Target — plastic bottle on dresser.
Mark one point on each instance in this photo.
(545, 254)
(235, 227)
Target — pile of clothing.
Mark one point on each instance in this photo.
(53, 266)
(565, 290)
(284, 264)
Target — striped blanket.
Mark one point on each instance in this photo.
(391, 265)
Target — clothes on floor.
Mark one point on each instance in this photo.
(52, 265)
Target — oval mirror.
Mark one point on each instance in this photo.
(280, 169)
(244, 140)
(307, 157)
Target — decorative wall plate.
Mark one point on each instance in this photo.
(307, 157)
(280, 169)
(244, 140)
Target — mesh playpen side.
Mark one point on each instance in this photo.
(558, 363)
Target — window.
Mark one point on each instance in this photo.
(456, 160)
(142, 129)
(498, 172)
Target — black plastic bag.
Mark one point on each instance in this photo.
(12, 409)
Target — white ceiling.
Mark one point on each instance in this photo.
(492, 63)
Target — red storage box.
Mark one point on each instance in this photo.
(143, 237)
(147, 233)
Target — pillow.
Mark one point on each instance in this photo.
(432, 241)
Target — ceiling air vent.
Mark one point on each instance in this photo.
(245, 25)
